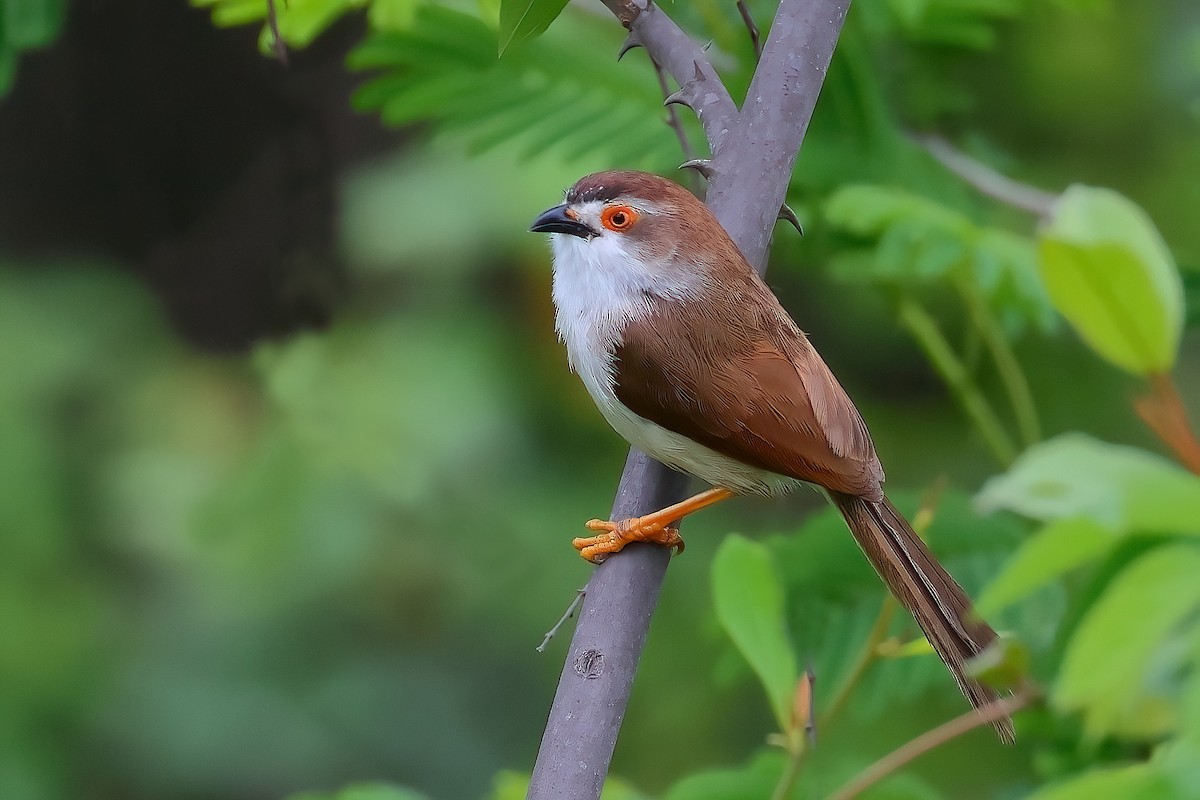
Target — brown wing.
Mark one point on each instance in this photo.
(746, 383)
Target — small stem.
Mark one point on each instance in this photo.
(866, 657)
(277, 43)
(751, 27)
(791, 771)
(673, 119)
(1164, 412)
(975, 718)
(570, 612)
(1007, 366)
(986, 180)
(941, 355)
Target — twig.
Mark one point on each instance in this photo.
(925, 330)
(866, 657)
(277, 43)
(1164, 412)
(570, 612)
(673, 119)
(749, 186)
(975, 718)
(1020, 398)
(750, 27)
(987, 180)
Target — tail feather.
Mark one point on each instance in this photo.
(922, 585)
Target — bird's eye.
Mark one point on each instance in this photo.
(618, 218)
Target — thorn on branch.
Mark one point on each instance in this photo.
(631, 41)
(751, 28)
(688, 91)
(786, 213)
(702, 165)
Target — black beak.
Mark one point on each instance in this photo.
(556, 220)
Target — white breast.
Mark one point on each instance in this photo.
(596, 293)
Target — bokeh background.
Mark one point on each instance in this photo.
(290, 457)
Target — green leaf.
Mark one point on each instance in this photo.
(756, 779)
(1115, 665)
(748, 595)
(1055, 549)
(1110, 274)
(1137, 782)
(31, 23)
(364, 791)
(387, 15)
(1122, 488)
(525, 19)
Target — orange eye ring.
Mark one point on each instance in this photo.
(618, 218)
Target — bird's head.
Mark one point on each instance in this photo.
(650, 229)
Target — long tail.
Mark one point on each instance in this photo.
(917, 580)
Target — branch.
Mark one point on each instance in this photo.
(750, 178)
(684, 60)
(986, 180)
(975, 718)
(597, 678)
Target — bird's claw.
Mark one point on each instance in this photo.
(614, 535)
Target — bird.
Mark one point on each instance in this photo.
(692, 359)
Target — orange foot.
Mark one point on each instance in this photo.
(618, 534)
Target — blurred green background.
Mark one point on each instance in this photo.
(290, 457)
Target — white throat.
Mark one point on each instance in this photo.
(599, 287)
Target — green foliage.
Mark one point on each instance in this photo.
(1122, 488)
(748, 598)
(364, 791)
(1122, 783)
(1121, 668)
(1111, 275)
(965, 23)
(756, 779)
(526, 19)
(26, 25)
(299, 21)
(514, 785)
(542, 95)
(1050, 553)
(923, 242)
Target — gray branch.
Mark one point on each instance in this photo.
(753, 156)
